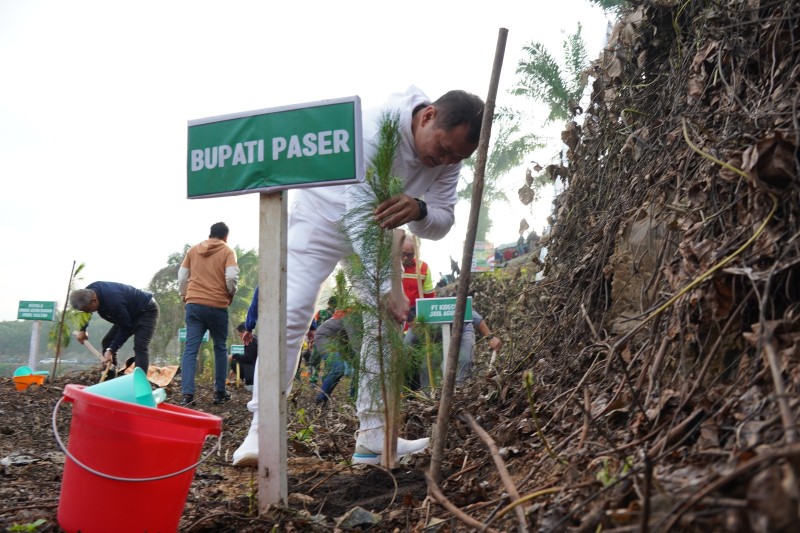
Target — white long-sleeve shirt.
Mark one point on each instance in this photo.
(437, 186)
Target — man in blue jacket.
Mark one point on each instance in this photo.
(246, 361)
(130, 310)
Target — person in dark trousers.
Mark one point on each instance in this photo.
(246, 361)
(130, 310)
(335, 342)
(454, 268)
(207, 281)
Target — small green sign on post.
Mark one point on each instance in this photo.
(182, 335)
(269, 150)
(237, 349)
(36, 310)
(441, 310)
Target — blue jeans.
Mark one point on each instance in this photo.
(200, 318)
(337, 368)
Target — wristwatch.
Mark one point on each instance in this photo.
(490, 336)
(423, 209)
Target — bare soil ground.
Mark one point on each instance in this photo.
(322, 485)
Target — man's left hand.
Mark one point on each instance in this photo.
(396, 211)
(397, 307)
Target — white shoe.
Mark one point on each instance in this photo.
(246, 455)
(369, 448)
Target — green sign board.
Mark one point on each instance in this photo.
(237, 349)
(304, 145)
(182, 335)
(482, 257)
(36, 311)
(441, 310)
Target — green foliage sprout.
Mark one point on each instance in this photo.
(29, 527)
(371, 271)
(541, 78)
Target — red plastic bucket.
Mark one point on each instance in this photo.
(128, 467)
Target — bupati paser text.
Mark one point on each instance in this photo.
(217, 156)
(243, 153)
(322, 143)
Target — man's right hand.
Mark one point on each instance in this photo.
(81, 336)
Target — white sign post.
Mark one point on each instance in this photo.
(36, 311)
(271, 326)
(442, 311)
(33, 353)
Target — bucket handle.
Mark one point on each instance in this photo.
(115, 478)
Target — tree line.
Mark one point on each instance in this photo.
(15, 336)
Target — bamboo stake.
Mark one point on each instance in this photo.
(448, 383)
(436, 492)
(61, 326)
(508, 483)
(428, 355)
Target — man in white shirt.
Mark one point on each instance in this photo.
(434, 138)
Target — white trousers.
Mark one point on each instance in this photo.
(315, 245)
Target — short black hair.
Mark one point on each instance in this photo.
(218, 231)
(457, 107)
(240, 328)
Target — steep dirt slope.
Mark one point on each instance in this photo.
(652, 380)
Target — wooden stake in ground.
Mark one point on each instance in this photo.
(426, 331)
(61, 325)
(271, 328)
(448, 383)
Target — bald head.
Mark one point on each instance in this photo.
(408, 251)
(408, 245)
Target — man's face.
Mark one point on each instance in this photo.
(408, 253)
(435, 146)
(93, 305)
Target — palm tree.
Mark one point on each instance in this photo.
(509, 150)
(542, 79)
(610, 5)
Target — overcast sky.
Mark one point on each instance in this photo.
(96, 97)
